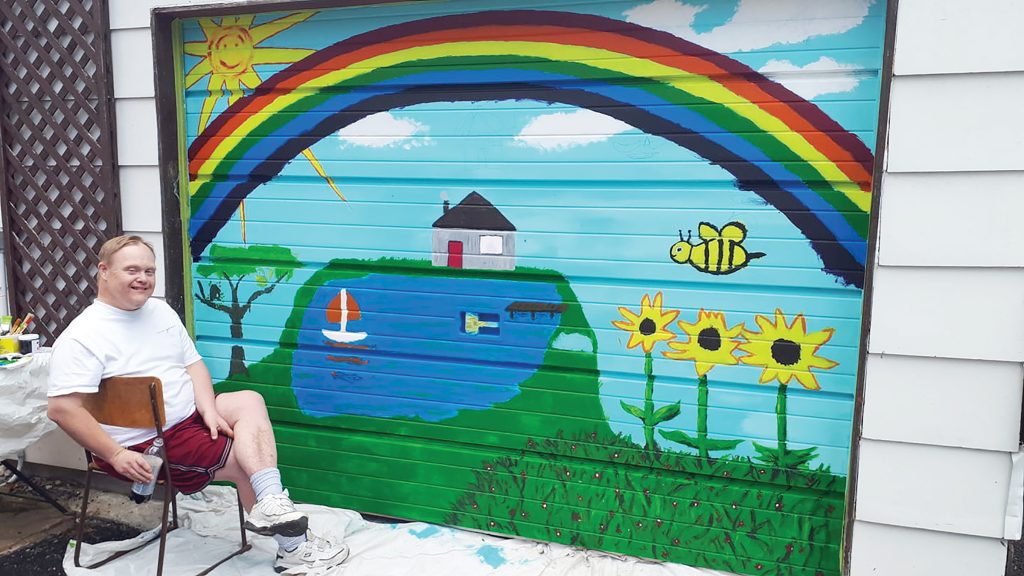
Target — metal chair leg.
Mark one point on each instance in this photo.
(39, 490)
(245, 544)
(168, 495)
(80, 530)
(241, 517)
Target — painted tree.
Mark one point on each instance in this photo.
(268, 266)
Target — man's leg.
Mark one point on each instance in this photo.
(252, 466)
(254, 448)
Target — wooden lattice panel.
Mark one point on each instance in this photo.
(60, 197)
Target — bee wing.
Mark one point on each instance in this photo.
(707, 231)
(734, 231)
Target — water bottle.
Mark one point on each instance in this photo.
(143, 491)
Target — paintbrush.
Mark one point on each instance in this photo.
(24, 325)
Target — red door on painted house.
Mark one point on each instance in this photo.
(454, 254)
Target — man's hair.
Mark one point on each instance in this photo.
(112, 246)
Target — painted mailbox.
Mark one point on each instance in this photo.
(588, 273)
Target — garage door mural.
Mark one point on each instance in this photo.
(588, 273)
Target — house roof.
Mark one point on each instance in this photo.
(474, 213)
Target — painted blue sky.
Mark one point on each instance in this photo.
(597, 200)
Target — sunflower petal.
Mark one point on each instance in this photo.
(822, 363)
(634, 339)
(667, 317)
(820, 337)
(628, 314)
(807, 380)
(799, 324)
(680, 355)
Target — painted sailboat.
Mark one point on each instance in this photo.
(340, 311)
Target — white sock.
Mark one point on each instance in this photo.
(289, 543)
(266, 482)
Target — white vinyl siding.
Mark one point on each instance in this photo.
(943, 377)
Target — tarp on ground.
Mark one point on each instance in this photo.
(210, 531)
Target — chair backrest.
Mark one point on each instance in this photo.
(128, 401)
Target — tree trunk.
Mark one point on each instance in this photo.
(237, 361)
(236, 323)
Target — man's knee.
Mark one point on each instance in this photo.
(243, 400)
(251, 398)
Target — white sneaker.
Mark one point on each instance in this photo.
(315, 556)
(276, 515)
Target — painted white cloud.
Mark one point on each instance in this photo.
(563, 130)
(756, 23)
(381, 130)
(823, 76)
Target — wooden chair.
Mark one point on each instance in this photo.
(138, 402)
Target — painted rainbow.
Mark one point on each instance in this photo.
(776, 144)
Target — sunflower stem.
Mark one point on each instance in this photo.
(702, 415)
(650, 444)
(780, 414)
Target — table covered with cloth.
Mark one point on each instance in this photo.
(23, 403)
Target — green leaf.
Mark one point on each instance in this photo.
(791, 459)
(681, 437)
(666, 413)
(799, 458)
(708, 444)
(632, 410)
(718, 445)
(766, 454)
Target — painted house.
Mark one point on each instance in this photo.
(474, 235)
(897, 448)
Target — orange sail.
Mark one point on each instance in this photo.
(334, 309)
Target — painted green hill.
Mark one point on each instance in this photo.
(545, 464)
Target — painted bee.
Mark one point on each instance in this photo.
(719, 253)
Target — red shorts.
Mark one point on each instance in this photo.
(194, 456)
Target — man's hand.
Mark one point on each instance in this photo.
(216, 424)
(132, 465)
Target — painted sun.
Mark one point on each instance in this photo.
(228, 56)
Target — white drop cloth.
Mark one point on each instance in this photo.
(210, 531)
(23, 410)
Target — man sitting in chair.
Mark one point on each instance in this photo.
(223, 437)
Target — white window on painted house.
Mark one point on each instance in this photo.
(491, 245)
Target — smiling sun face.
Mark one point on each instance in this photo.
(231, 51)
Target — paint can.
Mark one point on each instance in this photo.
(28, 343)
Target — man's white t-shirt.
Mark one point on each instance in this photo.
(105, 341)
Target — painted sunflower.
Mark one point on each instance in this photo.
(648, 327)
(786, 351)
(710, 342)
